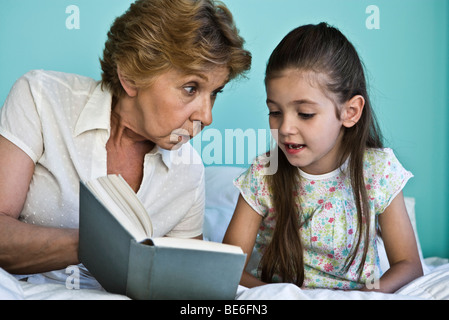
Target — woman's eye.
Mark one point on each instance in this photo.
(215, 93)
(306, 116)
(274, 113)
(190, 89)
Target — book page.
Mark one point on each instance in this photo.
(110, 196)
(129, 197)
(195, 244)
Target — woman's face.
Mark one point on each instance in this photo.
(176, 106)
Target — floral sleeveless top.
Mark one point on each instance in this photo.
(330, 215)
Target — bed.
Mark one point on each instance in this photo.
(221, 197)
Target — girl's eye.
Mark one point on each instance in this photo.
(306, 116)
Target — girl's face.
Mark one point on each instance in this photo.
(308, 129)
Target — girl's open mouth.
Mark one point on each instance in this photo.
(295, 146)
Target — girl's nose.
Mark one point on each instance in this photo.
(287, 126)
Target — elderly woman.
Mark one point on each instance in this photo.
(163, 65)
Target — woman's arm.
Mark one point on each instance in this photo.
(26, 248)
(242, 232)
(400, 245)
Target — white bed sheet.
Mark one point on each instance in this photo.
(14, 289)
(432, 286)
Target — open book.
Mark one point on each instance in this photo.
(117, 246)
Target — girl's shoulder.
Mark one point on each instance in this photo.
(385, 176)
(253, 187)
(373, 154)
(262, 165)
(380, 160)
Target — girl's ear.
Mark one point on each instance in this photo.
(127, 85)
(352, 111)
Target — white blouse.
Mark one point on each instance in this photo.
(62, 121)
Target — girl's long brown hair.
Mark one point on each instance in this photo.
(321, 49)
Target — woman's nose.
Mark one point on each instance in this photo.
(204, 112)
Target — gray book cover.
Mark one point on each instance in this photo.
(143, 270)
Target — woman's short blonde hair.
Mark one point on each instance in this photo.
(154, 36)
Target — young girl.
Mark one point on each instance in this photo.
(316, 221)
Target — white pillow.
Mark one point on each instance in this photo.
(410, 205)
(221, 198)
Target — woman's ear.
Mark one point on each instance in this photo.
(352, 111)
(127, 85)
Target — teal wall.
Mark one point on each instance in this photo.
(406, 59)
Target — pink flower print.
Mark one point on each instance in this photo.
(331, 220)
(328, 206)
(312, 182)
(328, 267)
(314, 238)
(331, 189)
(320, 201)
(368, 187)
(350, 231)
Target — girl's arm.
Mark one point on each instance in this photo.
(242, 232)
(25, 248)
(400, 245)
